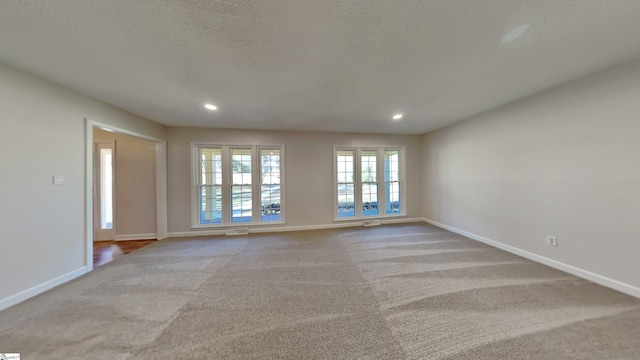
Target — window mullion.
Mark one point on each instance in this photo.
(226, 185)
(197, 181)
(357, 182)
(382, 184)
(256, 191)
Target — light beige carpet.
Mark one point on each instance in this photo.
(391, 292)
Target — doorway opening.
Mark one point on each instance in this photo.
(126, 191)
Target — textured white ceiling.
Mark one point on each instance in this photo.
(322, 65)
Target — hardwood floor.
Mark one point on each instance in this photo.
(105, 251)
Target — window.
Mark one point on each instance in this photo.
(210, 186)
(270, 184)
(346, 183)
(106, 187)
(237, 185)
(368, 182)
(241, 199)
(392, 181)
(368, 159)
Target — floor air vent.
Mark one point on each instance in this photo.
(237, 231)
(371, 223)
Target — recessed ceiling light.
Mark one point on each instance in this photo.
(211, 107)
(397, 116)
(515, 33)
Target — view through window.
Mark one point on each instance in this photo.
(237, 184)
(368, 182)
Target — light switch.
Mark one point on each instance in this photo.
(58, 179)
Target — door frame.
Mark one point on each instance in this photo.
(161, 183)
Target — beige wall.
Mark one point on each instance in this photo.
(564, 163)
(135, 209)
(309, 170)
(43, 133)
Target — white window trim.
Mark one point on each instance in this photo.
(379, 177)
(256, 168)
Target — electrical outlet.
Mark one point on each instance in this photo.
(552, 240)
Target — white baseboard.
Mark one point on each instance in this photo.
(38, 289)
(292, 228)
(136, 237)
(585, 274)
